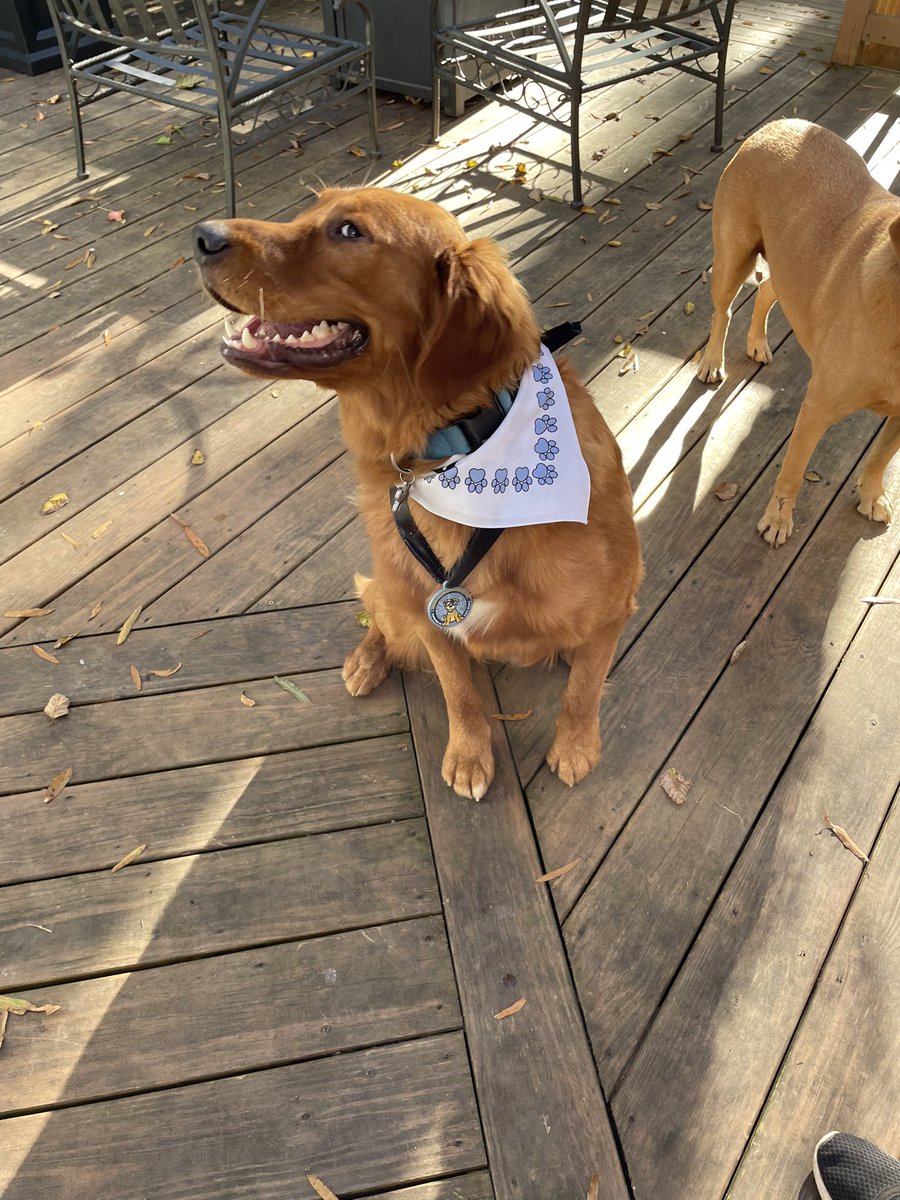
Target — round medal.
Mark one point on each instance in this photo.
(449, 606)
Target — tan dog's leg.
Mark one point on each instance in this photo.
(730, 271)
(757, 341)
(576, 748)
(873, 503)
(777, 522)
(468, 765)
(369, 664)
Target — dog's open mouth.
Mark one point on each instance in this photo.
(273, 344)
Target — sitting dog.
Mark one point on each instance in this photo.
(423, 334)
(800, 197)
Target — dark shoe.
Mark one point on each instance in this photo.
(850, 1168)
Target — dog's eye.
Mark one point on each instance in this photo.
(348, 231)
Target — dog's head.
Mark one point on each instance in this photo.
(367, 285)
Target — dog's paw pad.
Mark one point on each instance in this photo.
(468, 774)
(573, 758)
(877, 508)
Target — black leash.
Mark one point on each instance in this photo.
(451, 603)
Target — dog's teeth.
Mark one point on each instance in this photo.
(341, 326)
(307, 336)
(291, 340)
(230, 330)
(277, 337)
(248, 341)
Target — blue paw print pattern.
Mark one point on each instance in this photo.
(546, 449)
(500, 482)
(476, 481)
(521, 479)
(449, 478)
(545, 473)
(545, 425)
(540, 373)
(545, 398)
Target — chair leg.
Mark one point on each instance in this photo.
(435, 108)
(228, 148)
(577, 192)
(718, 126)
(373, 110)
(77, 131)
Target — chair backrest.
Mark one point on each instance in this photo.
(130, 22)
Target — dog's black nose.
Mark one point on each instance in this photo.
(210, 238)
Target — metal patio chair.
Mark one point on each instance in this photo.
(569, 49)
(200, 57)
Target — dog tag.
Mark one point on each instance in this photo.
(449, 606)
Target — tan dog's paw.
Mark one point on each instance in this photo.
(367, 667)
(876, 508)
(573, 756)
(777, 522)
(711, 369)
(468, 773)
(759, 349)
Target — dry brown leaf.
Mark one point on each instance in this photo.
(704, 206)
(4, 1017)
(652, 205)
(95, 610)
(128, 626)
(28, 612)
(197, 542)
(725, 491)
(18, 1006)
(357, 153)
(559, 872)
(738, 651)
(321, 1189)
(513, 716)
(198, 458)
(247, 702)
(846, 840)
(136, 677)
(766, 71)
(179, 262)
(513, 1008)
(129, 858)
(41, 653)
(671, 220)
(107, 338)
(65, 639)
(166, 672)
(100, 530)
(149, 230)
(674, 784)
(614, 242)
(611, 200)
(812, 476)
(594, 1188)
(54, 504)
(57, 706)
(90, 256)
(57, 785)
(71, 541)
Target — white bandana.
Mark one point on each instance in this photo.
(530, 471)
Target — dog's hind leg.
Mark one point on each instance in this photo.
(757, 341)
(873, 503)
(734, 258)
(576, 748)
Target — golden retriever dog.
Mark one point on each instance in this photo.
(381, 297)
(800, 197)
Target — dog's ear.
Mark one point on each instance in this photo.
(481, 331)
(895, 235)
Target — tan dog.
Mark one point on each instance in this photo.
(799, 196)
(381, 296)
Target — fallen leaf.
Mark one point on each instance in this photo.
(880, 600)
(95, 610)
(247, 702)
(738, 651)
(560, 304)
(107, 338)
(100, 530)
(64, 640)
(186, 82)
(116, 214)
(594, 1188)
(766, 71)
(197, 542)
(846, 840)
(41, 653)
(18, 1007)
(674, 784)
(90, 256)
(364, 619)
(179, 262)
(128, 626)
(685, 137)
(513, 1008)
(726, 491)
(197, 458)
(614, 243)
(611, 200)
(164, 140)
(57, 706)
(28, 612)
(322, 1190)
(652, 205)
(689, 307)
(150, 230)
(671, 220)
(71, 541)
(513, 716)
(356, 152)
(136, 677)
(560, 871)
(4, 1017)
(293, 689)
(57, 785)
(54, 504)
(812, 476)
(166, 672)
(129, 858)
(704, 206)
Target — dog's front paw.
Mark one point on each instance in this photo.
(367, 667)
(876, 507)
(758, 349)
(468, 772)
(711, 369)
(573, 756)
(777, 522)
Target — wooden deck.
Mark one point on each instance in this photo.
(300, 973)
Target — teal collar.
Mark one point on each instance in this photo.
(467, 434)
